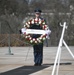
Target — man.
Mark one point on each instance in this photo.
(38, 48)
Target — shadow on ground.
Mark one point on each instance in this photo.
(26, 70)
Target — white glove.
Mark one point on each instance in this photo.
(48, 32)
(23, 30)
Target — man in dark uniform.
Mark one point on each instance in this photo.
(38, 49)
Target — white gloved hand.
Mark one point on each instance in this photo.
(23, 30)
(48, 32)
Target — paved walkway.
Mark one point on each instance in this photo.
(21, 62)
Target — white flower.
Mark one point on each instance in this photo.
(26, 36)
(46, 28)
(43, 26)
(30, 38)
(35, 41)
(32, 21)
(43, 22)
(39, 19)
(43, 38)
(28, 26)
(40, 38)
(31, 41)
(36, 19)
(39, 41)
(39, 22)
(28, 22)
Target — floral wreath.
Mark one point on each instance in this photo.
(40, 39)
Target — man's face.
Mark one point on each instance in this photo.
(37, 14)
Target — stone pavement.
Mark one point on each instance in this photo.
(21, 62)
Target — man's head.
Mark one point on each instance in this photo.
(37, 12)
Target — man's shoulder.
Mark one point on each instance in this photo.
(42, 18)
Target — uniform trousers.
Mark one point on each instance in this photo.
(38, 53)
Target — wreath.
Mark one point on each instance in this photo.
(40, 39)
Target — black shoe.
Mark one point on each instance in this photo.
(39, 64)
(36, 64)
